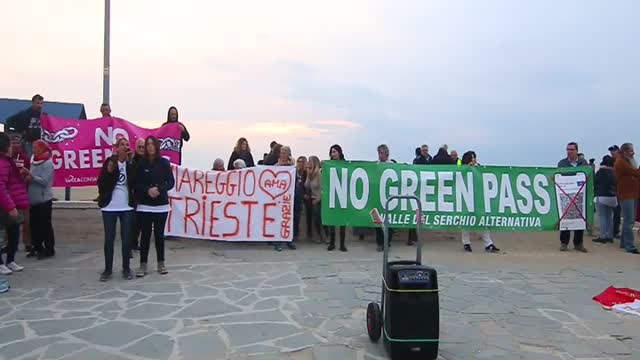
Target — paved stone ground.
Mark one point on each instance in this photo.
(245, 301)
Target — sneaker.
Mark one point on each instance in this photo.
(343, 248)
(467, 248)
(32, 253)
(291, 245)
(15, 267)
(601, 241)
(127, 274)
(634, 251)
(142, 270)
(277, 247)
(4, 286)
(380, 248)
(162, 269)
(492, 249)
(331, 247)
(4, 270)
(105, 276)
(563, 247)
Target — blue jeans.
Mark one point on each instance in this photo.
(110, 219)
(13, 237)
(628, 208)
(605, 220)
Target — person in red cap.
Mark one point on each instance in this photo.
(40, 179)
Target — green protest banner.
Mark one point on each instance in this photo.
(458, 197)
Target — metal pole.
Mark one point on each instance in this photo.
(107, 38)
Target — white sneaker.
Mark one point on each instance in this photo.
(4, 270)
(15, 267)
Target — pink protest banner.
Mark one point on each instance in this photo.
(79, 147)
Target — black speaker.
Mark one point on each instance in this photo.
(411, 326)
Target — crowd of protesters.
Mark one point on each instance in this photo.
(133, 188)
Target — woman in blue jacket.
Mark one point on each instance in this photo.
(154, 179)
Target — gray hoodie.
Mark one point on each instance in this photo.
(40, 189)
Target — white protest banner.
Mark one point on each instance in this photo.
(253, 204)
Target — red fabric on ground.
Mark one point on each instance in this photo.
(613, 296)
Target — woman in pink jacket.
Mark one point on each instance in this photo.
(13, 200)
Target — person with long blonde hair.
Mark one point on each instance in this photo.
(285, 159)
(313, 193)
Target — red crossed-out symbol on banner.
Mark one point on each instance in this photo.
(572, 200)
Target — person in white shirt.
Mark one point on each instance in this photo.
(383, 157)
(469, 158)
(116, 198)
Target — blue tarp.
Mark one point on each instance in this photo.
(9, 107)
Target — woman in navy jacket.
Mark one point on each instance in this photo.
(154, 179)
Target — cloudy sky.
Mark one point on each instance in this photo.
(513, 80)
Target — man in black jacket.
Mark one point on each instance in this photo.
(572, 160)
(424, 158)
(27, 122)
(272, 157)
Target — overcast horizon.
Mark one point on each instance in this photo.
(513, 81)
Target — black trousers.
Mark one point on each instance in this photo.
(42, 235)
(413, 236)
(152, 221)
(308, 214)
(136, 231)
(380, 236)
(314, 210)
(565, 236)
(332, 235)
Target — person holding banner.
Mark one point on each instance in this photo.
(312, 195)
(27, 122)
(218, 165)
(469, 158)
(116, 199)
(335, 153)
(105, 110)
(241, 151)
(172, 117)
(383, 157)
(572, 160)
(285, 159)
(154, 179)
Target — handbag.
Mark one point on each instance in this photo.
(6, 220)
